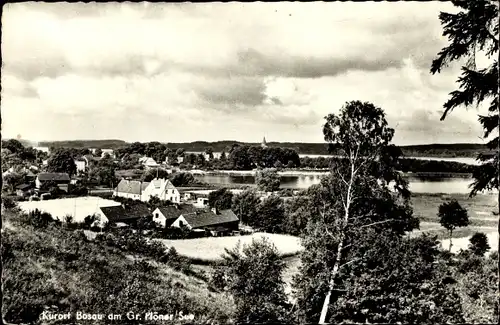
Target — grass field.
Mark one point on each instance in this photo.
(480, 209)
(210, 249)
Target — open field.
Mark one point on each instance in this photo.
(480, 207)
(210, 249)
(79, 207)
(463, 242)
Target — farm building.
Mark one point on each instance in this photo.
(218, 222)
(120, 214)
(24, 190)
(165, 216)
(61, 179)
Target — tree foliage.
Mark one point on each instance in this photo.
(220, 199)
(363, 190)
(478, 244)
(245, 206)
(254, 278)
(452, 215)
(271, 215)
(397, 280)
(267, 180)
(474, 31)
(61, 161)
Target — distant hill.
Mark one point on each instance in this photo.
(102, 144)
(430, 150)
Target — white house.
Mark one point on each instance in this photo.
(110, 152)
(130, 189)
(137, 190)
(163, 189)
(149, 162)
(81, 165)
(201, 202)
(165, 216)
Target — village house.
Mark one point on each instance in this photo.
(81, 165)
(61, 179)
(110, 152)
(148, 162)
(122, 216)
(165, 216)
(201, 202)
(163, 189)
(130, 189)
(24, 190)
(144, 191)
(217, 222)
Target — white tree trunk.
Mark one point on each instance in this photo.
(326, 303)
(336, 266)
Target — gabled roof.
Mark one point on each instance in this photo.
(119, 213)
(131, 187)
(163, 184)
(24, 187)
(209, 218)
(53, 177)
(174, 211)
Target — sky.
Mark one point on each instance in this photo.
(224, 71)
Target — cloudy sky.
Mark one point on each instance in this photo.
(223, 71)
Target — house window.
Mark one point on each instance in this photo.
(181, 223)
(157, 215)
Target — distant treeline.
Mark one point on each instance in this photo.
(404, 165)
(430, 150)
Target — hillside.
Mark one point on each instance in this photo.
(102, 144)
(427, 150)
(61, 271)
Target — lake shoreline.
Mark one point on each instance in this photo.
(306, 172)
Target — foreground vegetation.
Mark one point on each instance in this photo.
(51, 268)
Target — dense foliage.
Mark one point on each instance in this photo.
(220, 199)
(61, 161)
(245, 206)
(452, 215)
(253, 275)
(61, 271)
(267, 180)
(472, 31)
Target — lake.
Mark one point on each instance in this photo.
(417, 184)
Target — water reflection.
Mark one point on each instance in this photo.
(417, 184)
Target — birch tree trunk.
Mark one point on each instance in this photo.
(338, 258)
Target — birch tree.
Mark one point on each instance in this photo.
(354, 197)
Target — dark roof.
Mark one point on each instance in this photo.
(172, 212)
(23, 187)
(208, 218)
(119, 213)
(53, 177)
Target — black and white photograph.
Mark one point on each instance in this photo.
(250, 163)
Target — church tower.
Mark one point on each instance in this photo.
(264, 143)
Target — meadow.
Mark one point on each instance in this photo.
(212, 248)
(481, 216)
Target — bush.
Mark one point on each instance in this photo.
(8, 203)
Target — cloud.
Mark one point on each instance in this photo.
(237, 69)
